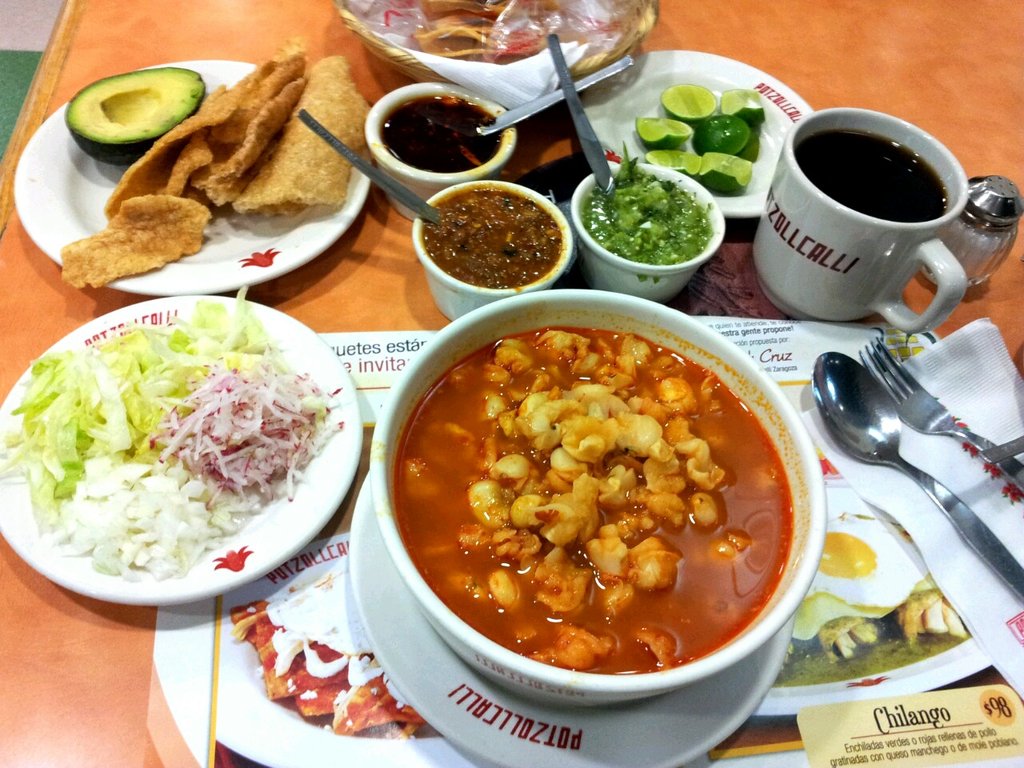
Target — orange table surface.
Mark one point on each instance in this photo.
(76, 671)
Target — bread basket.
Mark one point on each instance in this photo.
(634, 24)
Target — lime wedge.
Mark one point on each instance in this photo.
(662, 132)
(753, 147)
(724, 173)
(689, 103)
(721, 133)
(684, 162)
(744, 103)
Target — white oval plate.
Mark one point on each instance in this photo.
(270, 537)
(59, 192)
(500, 726)
(614, 105)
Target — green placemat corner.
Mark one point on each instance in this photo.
(17, 68)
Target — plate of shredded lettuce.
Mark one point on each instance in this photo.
(176, 449)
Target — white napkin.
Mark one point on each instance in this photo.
(509, 84)
(972, 374)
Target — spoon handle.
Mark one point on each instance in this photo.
(409, 198)
(593, 150)
(530, 108)
(971, 528)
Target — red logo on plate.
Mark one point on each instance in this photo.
(233, 561)
(260, 258)
(867, 682)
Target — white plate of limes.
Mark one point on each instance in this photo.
(719, 120)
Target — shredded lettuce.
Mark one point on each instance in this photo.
(107, 406)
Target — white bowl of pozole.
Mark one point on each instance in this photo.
(595, 498)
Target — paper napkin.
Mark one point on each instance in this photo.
(972, 374)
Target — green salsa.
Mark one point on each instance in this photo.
(646, 219)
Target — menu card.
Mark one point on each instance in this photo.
(777, 732)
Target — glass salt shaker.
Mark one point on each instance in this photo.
(981, 238)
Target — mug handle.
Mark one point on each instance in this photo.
(950, 286)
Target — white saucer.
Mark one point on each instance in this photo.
(503, 727)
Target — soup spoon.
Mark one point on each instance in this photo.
(861, 416)
(592, 149)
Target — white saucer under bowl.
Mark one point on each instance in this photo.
(500, 726)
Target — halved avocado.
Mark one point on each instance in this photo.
(118, 118)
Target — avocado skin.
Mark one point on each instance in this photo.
(172, 93)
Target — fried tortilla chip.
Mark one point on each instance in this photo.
(146, 233)
(196, 154)
(150, 174)
(434, 8)
(459, 35)
(478, 30)
(372, 706)
(255, 89)
(223, 118)
(303, 171)
(222, 181)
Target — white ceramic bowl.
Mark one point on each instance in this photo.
(661, 325)
(604, 270)
(426, 183)
(456, 297)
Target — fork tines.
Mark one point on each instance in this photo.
(887, 369)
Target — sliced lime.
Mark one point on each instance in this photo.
(680, 160)
(662, 132)
(744, 103)
(724, 173)
(721, 133)
(689, 103)
(753, 148)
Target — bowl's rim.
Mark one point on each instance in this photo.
(548, 279)
(704, 197)
(803, 563)
(387, 103)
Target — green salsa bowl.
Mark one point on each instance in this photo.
(658, 228)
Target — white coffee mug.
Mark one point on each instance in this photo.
(817, 258)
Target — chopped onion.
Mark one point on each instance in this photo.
(134, 517)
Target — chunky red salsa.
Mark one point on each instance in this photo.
(493, 238)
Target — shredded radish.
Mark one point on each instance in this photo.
(242, 433)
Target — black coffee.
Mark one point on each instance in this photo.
(872, 175)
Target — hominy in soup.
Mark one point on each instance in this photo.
(592, 500)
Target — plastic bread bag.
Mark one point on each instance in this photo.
(499, 48)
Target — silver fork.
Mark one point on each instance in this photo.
(920, 410)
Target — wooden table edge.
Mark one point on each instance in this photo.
(37, 101)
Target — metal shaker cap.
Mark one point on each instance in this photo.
(994, 199)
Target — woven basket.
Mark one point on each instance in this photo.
(645, 14)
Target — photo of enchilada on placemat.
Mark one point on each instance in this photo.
(295, 667)
(873, 623)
